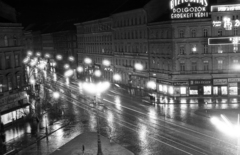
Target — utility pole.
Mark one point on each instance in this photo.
(99, 152)
(1, 142)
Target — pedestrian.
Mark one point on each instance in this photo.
(83, 149)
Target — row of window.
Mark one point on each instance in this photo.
(8, 61)
(193, 33)
(160, 34)
(136, 34)
(9, 84)
(129, 21)
(131, 48)
(98, 28)
(193, 49)
(227, 32)
(130, 63)
(161, 65)
(99, 48)
(9, 41)
(94, 38)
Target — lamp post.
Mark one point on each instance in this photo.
(88, 62)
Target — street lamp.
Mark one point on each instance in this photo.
(66, 66)
(106, 63)
(71, 58)
(88, 61)
(29, 53)
(47, 55)
(59, 57)
(116, 77)
(138, 66)
(97, 73)
(38, 54)
(80, 69)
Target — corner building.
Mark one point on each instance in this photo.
(187, 48)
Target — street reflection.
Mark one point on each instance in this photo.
(152, 115)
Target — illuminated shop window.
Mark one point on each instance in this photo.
(170, 90)
(183, 90)
(160, 88)
(215, 90)
(233, 89)
(207, 90)
(224, 90)
(235, 48)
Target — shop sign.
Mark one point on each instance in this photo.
(233, 84)
(234, 80)
(224, 41)
(188, 9)
(200, 82)
(225, 8)
(181, 83)
(220, 81)
(12, 98)
(164, 82)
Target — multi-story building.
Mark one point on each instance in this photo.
(13, 98)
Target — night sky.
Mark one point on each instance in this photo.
(37, 11)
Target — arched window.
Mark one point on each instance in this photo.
(14, 40)
(9, 82)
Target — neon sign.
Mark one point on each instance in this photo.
(225, 8)
(227, 23)
(224, 41)
(188, 9)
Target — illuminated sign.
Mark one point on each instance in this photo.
(188, 9)
(225, 8)
(224, 41)
(227, 23)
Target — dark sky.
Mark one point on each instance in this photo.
(35, 11)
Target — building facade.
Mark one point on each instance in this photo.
(13, 99)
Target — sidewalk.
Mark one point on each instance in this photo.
(89, 141)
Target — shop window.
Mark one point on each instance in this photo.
(235, 48)
(233, 89)
(207, 90)
(193, 90)
(165, 88)
(183, 90)
(205, 65)
(224, 90)
(220, 64)
(160, 88)
(215, 90)
(170, 90)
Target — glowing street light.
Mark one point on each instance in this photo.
(88, 60)
(71, 58)
(59, 57)
(26, 60)
(66, 66)
(106, 63)
(47, 55)
(80, 69)
(97, 73)
(117, 77)
(68, 73)
(56, 95)
(38, 54)
(29, 53)
(32, 81)
(138, 66)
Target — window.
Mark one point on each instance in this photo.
(182, 66)
(194, 49)
(220, 49)
(220, 64)
(205, 33)
(235, 48)
(15, 40)
(181, 34)
(220, 32)
(181, 50)
(1, 84)
(193, 33)
(9, 82)
(6, 40)
(235, 31)
(16, 60)
(18, 80)
(205, 65)
(8, 62)
(194, 66)
(205, 49)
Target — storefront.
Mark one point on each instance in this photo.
(233, 86)
(181, 88)
(200, 87)
(165, 87)
(220, 87)
(14, 107)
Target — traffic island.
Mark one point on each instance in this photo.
(86, 144)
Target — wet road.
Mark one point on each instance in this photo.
(141, 127)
